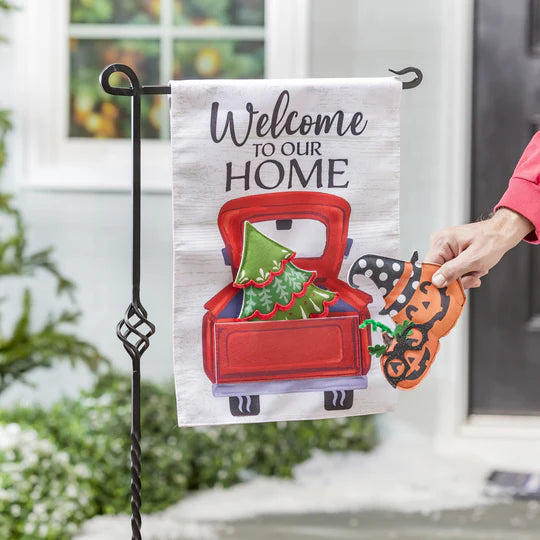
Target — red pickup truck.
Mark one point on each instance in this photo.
(244, 359)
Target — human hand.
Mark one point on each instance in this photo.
(470, 251)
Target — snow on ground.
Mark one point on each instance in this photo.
(404, 473)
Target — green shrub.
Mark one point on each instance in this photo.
(94, 430)
(42, 494)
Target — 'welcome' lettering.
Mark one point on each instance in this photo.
(283, 121)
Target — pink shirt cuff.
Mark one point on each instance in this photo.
(523, 197)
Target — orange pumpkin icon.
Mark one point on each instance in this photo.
(410, 296)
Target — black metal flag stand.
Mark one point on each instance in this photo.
(135, 330)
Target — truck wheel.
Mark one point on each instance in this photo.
(338, 400)
(244, 405)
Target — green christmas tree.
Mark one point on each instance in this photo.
(274, 287)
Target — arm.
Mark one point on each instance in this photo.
(470, 251)
(523, 192)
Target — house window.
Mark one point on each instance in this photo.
(75, 135)
(160, 40)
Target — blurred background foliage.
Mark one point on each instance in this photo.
(93, 431)
(219, 12)
(204, 55)
(93, 113)
(42, 494)
(24, 347)
(115, 11)
(215, 59)
(186, 12)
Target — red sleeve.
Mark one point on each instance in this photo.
(523, 193)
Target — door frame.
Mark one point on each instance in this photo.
(497, 438)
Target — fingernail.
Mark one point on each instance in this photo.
(438, 280)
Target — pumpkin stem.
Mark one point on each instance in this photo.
(404, 328)
(376, 324)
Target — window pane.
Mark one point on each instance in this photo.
(219, 12)
(218, 59)
(93, 113)
(115, 11)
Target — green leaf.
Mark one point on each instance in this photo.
(5, 5)
(27, 349)
(403, 328)
(22, 324)
(377, 350)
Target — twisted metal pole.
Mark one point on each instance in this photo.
(134, 330)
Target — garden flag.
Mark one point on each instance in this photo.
(279, 188)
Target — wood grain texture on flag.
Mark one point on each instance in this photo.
(278, 185)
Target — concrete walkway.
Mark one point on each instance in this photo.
(513, 521)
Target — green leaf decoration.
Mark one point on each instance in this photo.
(403, 328)
(377, 350)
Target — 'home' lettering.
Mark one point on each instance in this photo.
(271, 173)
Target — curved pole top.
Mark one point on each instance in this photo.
(117, 90)
(407, 85)
(135, 90)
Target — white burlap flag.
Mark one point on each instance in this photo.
(279, 185)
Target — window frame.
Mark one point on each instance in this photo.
(51, 160)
